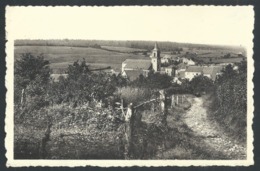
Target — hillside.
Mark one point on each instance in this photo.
(100, 54)
(61, 56)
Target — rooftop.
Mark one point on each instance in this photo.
(194, 69)
(133, 74)
(138, 63)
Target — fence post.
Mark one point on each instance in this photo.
(172, 102)
(177, 99)
(163, 106)
(44, 140)
(22, 98)
(128, 130)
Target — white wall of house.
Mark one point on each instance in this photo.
(123, 66)
(188, 61)
(207, 75)
(164, 60)
(124, 74)
(190, 75)
(179, 70)
(168, 71)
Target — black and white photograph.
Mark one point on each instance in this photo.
(125, 86)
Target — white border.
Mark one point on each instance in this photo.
(121, 163)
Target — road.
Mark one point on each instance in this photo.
(210, 132)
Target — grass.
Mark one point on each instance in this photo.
(60, 57)
(123, 49)
(134, 95)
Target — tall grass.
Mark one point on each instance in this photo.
(134, 95)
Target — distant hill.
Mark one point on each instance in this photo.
(147, 45)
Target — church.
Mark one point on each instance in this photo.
(132, 68)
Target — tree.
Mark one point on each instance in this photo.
(31, 75)
(77, 69)
(200, 84)
(153, 81)
(29, 67)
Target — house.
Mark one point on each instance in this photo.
(56, 77)
(169, 70)
(175, 58)
(209, 71)
(188, 61)
(193, 71)
(180, 67)
(166, 59)
(132, 68)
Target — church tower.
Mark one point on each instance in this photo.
(156, 59)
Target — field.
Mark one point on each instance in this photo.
(123, 49)
(61, 56)
(101, 54)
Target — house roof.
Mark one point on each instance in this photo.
(170, 66)
(209, 70)
(138, 63)
(181, 74)
(181, 66)
(215, 70)
(133, 74)
(167, 56)
(194, 69)
(56, 77)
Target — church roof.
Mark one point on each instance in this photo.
(133, 74)
(144, 64)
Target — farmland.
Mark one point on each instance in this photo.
(99, 54)
(60, 56)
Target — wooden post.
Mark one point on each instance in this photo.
(22, 97)
(172, 102)
(44, 140)
(177, 99)
(122, 105)
(152, 107)
(163, 106)
(128, 130)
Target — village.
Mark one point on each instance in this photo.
(173, 65)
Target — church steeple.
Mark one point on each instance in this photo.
(156, 59)
(156, 46)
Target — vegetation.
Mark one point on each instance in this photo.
(152, 81)
(230, 100)
(82, 129)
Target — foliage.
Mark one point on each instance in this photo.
(230, 100)
(152, 81)
(77, 70)
(32, 75)
(200, 84)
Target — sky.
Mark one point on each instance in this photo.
(191, 24)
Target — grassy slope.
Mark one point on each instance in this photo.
(60, 56)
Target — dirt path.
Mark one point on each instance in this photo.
(211, 133)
